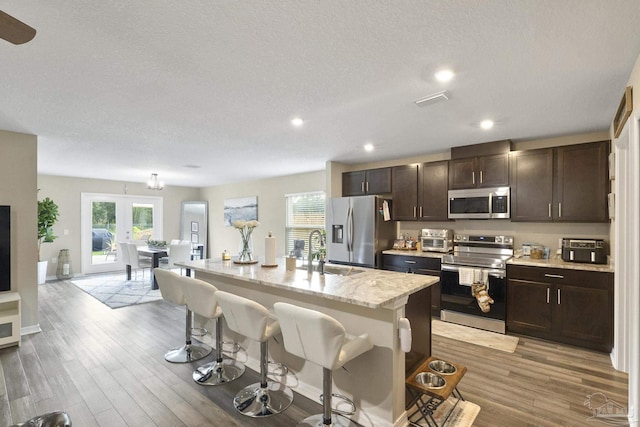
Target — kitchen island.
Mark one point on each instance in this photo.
(364, 301)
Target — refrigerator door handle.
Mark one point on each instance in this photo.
(350, 230)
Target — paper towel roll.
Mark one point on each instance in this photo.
(270, 250)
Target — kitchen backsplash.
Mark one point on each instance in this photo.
(546, 234)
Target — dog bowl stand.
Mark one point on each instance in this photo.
(426, 399)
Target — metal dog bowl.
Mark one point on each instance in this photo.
(429, 380)
(442, 367)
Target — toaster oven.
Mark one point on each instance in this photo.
(436, 240)
(591, 251)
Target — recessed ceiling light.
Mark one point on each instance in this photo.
(368, 147)
(486, 124)
(444, 75)
(297, 121)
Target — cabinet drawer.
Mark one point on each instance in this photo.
(413, 262)
(589, 279)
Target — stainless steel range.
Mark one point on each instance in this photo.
(474, 281)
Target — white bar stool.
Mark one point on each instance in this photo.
(172, 290)
(253, 320)
(201, 299)
(321, 339)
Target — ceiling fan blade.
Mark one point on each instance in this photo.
(15, 31)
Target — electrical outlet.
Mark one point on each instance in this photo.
(54, 260)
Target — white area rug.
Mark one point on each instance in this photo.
(115, 291)
(463, 414)
(474, 336)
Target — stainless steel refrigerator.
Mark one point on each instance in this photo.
(357, 232)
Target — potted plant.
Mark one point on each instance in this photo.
(47, 217)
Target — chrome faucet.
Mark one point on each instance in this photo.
(321, 258)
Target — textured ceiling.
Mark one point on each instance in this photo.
(120, 89)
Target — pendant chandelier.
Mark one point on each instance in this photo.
(154, 184)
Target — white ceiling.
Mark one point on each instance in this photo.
(120, 89)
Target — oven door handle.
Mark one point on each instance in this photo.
(493, 272)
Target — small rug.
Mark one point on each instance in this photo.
(115, 291)
(463, 414)
(475, 336)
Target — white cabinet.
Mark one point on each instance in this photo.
(9, 319)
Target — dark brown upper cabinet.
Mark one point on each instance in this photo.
(568, 183)
(582, 183)
(480, 165)
(420, 191)
(361, 183)
(433, 197)
(532, 185)
(479, 172)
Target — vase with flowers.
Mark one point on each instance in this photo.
(246, 229)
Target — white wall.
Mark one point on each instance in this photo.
(626, 351)
(66, 191)
(18, 163)
(271, 210)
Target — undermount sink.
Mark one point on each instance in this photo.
(334, 270)
(341, 271)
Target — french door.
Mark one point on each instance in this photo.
(110, 219)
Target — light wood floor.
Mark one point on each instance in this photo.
(105, 368)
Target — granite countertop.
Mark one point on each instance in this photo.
(363, 286)
(414, 253)
(557, 262)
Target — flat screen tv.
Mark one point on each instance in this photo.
(5, 248)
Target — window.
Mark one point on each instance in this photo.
(305, 212)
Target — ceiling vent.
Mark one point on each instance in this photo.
(432, 99)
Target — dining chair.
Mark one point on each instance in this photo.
(135, 261)
(124, 253)
(178, 253)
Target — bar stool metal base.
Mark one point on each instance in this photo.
(188, 353)
(336, 421)
(256, 401)
(216, 373)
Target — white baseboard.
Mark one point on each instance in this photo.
(28, 330)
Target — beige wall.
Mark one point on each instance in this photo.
(271, 210)
(66, 191)
(18, 163)
(528, 144)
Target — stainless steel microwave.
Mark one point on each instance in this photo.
(479, 203)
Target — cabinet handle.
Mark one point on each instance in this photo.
(367, 186)
(559, 210)
(362, 186)
(549, 210)
(414, 211)
(554, 276)
(410, 262)
(558, 296)
(548, 292)
(420, 211)
(473, 178)
(481, 180)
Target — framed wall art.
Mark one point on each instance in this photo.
(240, 209)
(624, 111)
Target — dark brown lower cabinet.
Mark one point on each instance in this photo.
(570, 306)
(418, 265)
